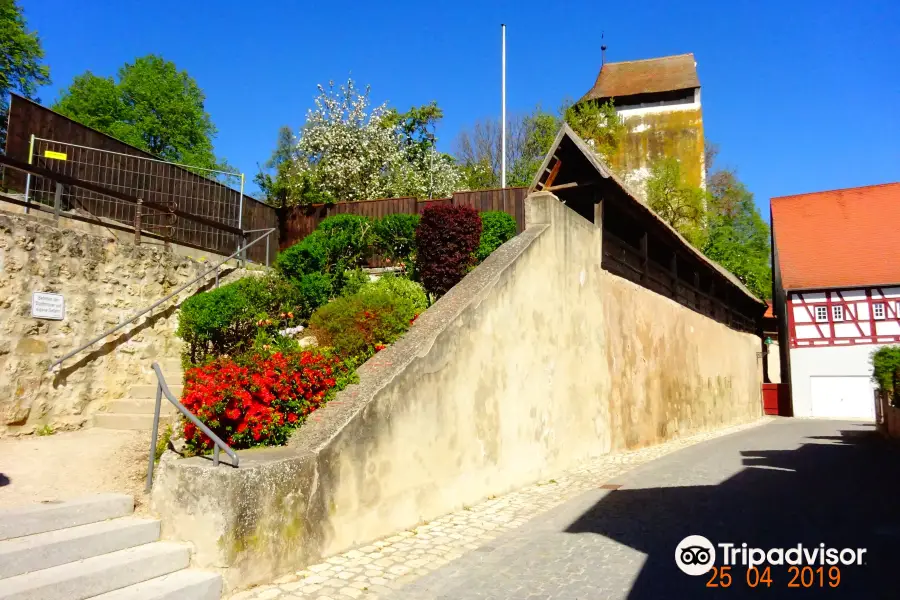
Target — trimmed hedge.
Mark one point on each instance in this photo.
(446, 241)
(338, 244)
(225, 320)
(309, 255)
(395, 237)
(497, 227)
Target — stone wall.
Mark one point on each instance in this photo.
(658, 133)
(536, 360)
(103, 278)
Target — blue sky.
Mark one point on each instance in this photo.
(800, 96)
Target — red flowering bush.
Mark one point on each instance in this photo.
(446, 241)
(258, 399)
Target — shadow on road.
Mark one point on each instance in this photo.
(4, 480)
(843, 491)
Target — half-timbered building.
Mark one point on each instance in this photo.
(837, 294)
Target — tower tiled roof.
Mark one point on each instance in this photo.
(838, 239)
(664, 74)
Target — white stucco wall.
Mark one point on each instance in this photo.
(830, 361)
(773, 363)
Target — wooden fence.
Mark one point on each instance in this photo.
(71, 149)
(301, 221)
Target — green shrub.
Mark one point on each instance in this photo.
(225, 320)
(395, 236)
(497, 227)
(340, 243)
(309, 255)
(405, 288)
(886, 370)
(353, 281)
(357, 326)
(348, 242)
(315, 289)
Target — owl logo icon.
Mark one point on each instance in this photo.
(695, 555)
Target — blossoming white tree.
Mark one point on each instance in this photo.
(348, 150)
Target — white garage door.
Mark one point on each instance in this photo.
(842, 397)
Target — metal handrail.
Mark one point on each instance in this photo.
(215, 268)
(163, 389)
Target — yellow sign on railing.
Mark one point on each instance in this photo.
(56, 155)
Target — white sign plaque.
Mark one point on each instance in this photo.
(45, 305)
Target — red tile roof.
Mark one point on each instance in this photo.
(840, 238)
(664, 74)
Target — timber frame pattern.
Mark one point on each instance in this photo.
(637, 244)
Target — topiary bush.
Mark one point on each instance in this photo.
(446, 240)
(395, 237)
(315, 289)
(224, 320)
(309, 255)
(357, 326)
(497, 227)
(340, 243)
(403, 287)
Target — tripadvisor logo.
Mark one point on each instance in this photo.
(695, 555)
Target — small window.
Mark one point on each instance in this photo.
(878, 310)
(837, 312)
(821, 313)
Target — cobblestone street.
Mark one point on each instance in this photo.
(383, 567)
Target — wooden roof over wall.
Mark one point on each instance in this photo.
(664, 74)
(571, 168)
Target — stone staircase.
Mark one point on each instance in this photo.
(135, 410)
(94, 548)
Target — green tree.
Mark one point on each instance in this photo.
(412, 126)
(21, 53)
(676, 202)
(282, 185)
(152, 106)
(528, 138)
(737, 237)
(598, 124)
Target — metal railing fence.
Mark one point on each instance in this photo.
(162, 389)
(203, 192)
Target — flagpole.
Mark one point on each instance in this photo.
(503, 111)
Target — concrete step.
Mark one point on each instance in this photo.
(138, 422)
(182, 585)
(140, 406)
(97, 575)
(52, 548)
(171, 379)
(50, 516)
(149, 391)
(170, 365)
